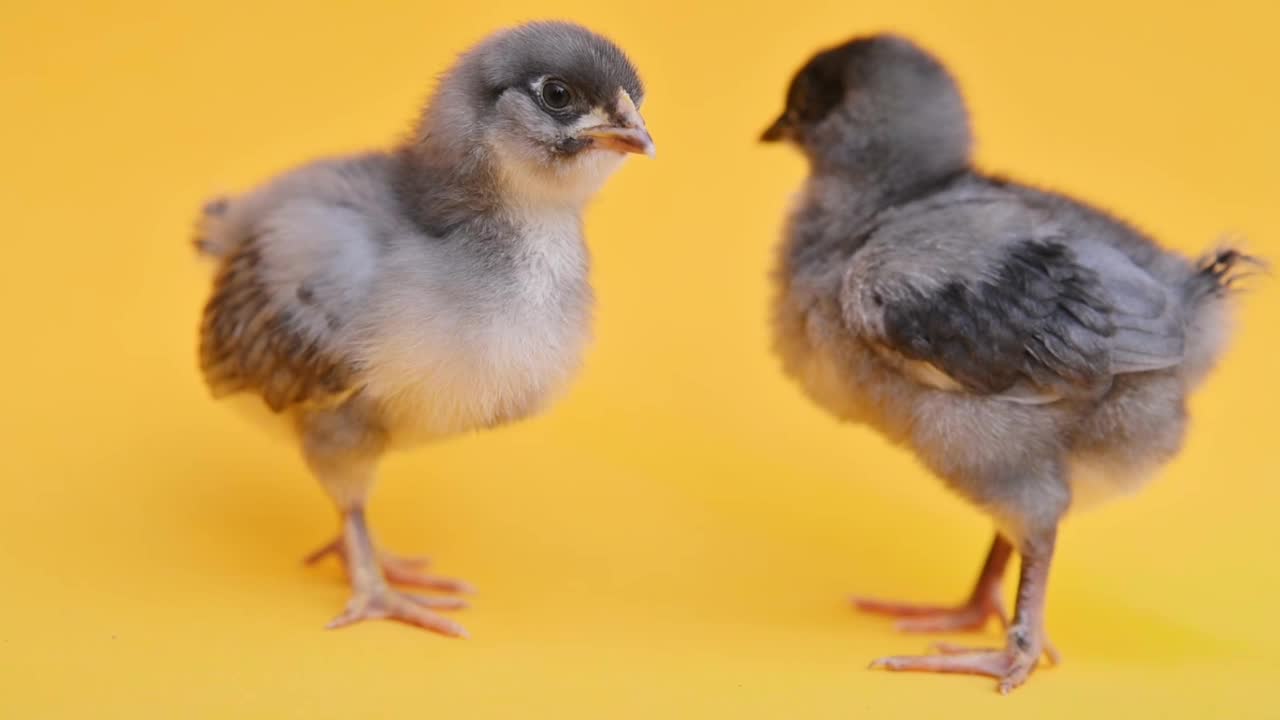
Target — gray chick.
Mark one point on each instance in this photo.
(395, 298)
(1029, 349)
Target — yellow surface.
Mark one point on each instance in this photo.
(675, 539)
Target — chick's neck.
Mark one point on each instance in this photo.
(443, 190)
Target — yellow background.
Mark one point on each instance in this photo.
(676, 538)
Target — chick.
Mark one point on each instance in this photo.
(395, 298)
(1021, 343)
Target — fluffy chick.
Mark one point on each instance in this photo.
(399, 297)
(1021, 343)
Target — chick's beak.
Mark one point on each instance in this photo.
(625, 132)
(778, 131)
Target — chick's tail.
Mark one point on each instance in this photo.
(1221, 271)
(1209, 291)
(211, 238)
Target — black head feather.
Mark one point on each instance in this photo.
(590, 64)
(876, 106)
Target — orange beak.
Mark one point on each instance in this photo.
(627, 134)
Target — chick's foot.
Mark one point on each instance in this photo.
(385, 603)
(369, 572)
(1011, 666)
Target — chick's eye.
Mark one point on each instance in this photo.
(556, 95)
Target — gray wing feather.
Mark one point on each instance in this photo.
(1149, 326)
(299, 257)
(1031, 319)
(251, 341)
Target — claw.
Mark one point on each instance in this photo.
(394, 605)
(1051, 653)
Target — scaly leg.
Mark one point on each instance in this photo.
(373, 598)
(1026, 640)
(342, 447)
(983, 603)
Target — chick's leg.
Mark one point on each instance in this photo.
(342, 449)
(983, 603)
(1026, 642)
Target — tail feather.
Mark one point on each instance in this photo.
(207, 240)
(1220, 272)
(1218, 275)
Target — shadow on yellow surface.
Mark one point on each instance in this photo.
(676, 538)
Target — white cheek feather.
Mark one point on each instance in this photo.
(530, 180)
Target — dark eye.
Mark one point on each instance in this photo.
(556, 95)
